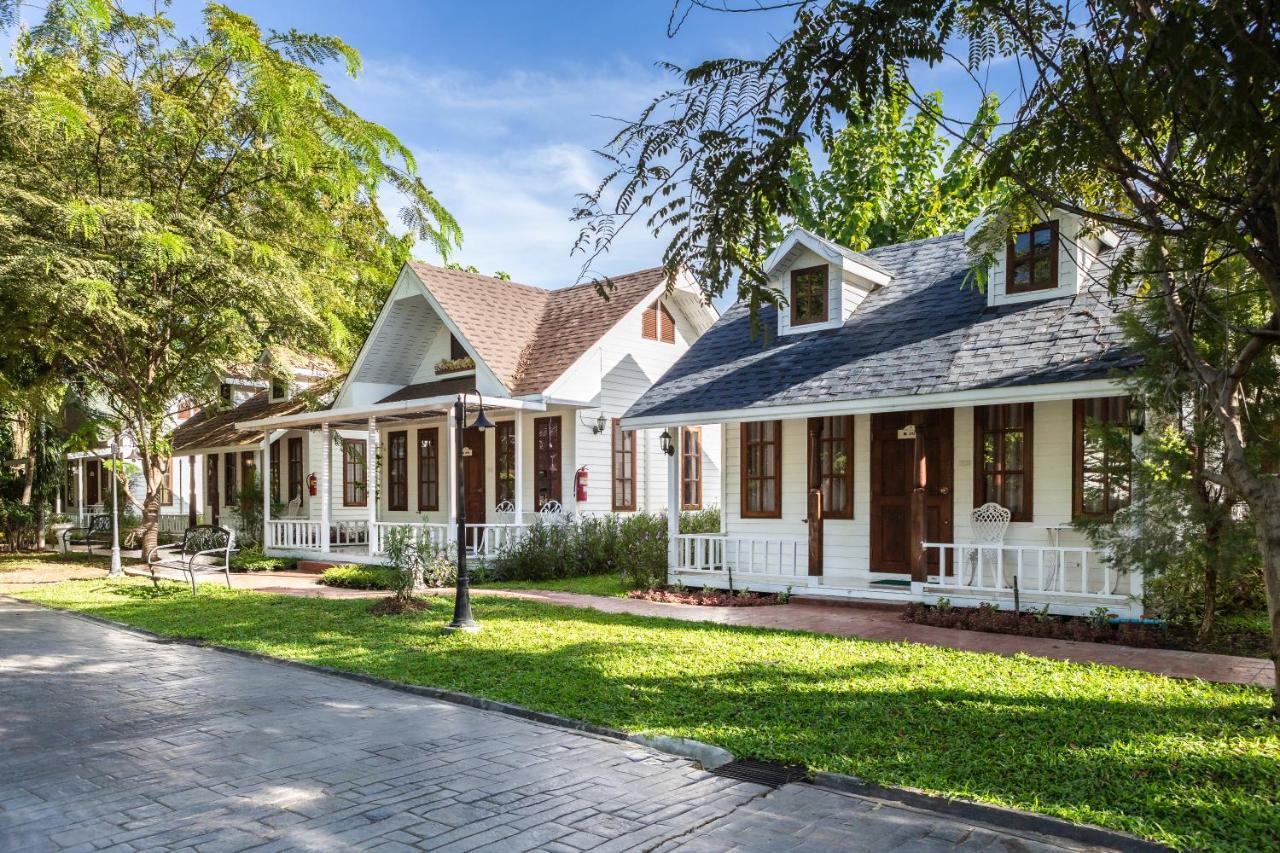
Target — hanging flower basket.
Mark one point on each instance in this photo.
(455, 365)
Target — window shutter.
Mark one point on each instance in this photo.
(649, 325)
(668, 326)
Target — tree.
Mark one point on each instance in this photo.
(892, 177)
(1158, 121)
(170, 203)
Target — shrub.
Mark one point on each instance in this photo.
(18, 523)
(642, 550)
(253, 560)
(701, 521)
(361, 577)
(596, 544)
(547, 550)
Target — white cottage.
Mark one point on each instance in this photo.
(901, 435)
(555, 370)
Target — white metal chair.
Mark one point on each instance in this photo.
(294, 509)
(989, 523)
(505, 512)
(551, 511)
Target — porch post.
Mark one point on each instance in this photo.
(919, 571)
(79, 489)
(372, 486)
(453, 438)
(326, 511)
(192, 519)
(1138, 584)
(519, 454)
(673, 508)
(265, 478)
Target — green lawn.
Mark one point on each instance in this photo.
(1190, 764)
(610, 585)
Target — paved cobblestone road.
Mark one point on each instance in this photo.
(111, 741)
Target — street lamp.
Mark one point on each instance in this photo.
(462, 620)
(116, 570)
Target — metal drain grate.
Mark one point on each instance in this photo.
(762, 772)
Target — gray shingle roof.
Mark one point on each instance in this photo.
(923, 333)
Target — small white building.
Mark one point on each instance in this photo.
(555, 370)
(890, 400)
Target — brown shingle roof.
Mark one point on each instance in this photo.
(526, 335)
(217, 427)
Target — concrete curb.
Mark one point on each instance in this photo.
(999, 816)
(707, 755)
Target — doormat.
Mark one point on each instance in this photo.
(894, 582)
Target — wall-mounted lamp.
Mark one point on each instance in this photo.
(599, 425)
(668, 446)
(1137, 416)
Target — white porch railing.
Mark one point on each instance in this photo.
(1073, 571)
(173, 523)
(436, 534)
(293, 534)
(348, 533)
(743, 555)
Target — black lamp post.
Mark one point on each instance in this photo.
(462, 620)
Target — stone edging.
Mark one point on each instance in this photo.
(997, 816)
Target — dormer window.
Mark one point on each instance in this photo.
(456, 349)
(279, 389)
(224, 392)
(809, 296)
(1033, 260)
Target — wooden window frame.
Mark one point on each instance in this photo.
(275, 470)
(428, 469)
(798, 319)
(1077, 461)
(622, 447)
(166, 486)
(825, 440)
(295, 473)
(398, 471)
(504, 451)
(981, 418)
(745, 474)
(685, 480)
(279, 389)
(229, 477)
(1012, 289)
(555, 491)
(350, 468)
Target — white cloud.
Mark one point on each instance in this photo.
(507, 156)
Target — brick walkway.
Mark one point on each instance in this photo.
(872, 623)
(116, 742)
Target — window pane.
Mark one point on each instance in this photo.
(1021, 244)
(1022, 274)
(1013, 493)
(1041, 237)
(1042, 273)
(1013, 451)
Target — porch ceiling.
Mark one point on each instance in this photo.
(399, 410)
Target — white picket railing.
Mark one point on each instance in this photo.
(436, 534)
(747, 555)
(174, 523)
(294, 534)
(1075, 571)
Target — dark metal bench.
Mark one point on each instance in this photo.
(96, 532)
(203, 549)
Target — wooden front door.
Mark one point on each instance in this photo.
(893, 479)
(473, 463)
(212, 494)
(92, 496)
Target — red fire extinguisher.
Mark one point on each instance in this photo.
(313, 485)
(580, 484)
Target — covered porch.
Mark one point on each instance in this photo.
(395, 464)
(884, 503)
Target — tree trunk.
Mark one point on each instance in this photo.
(29, 477)
(1212, 534)
(1267, 518)
(153, 476)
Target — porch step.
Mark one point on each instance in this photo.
(316, 567)
(893, 583)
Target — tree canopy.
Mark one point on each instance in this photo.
(169, 203)
(893, 176)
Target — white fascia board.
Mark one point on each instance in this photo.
(398, 407)
(864, 272)
(904, 403)
(822, 249)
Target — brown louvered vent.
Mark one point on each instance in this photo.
(649, 325)
(668, 326)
